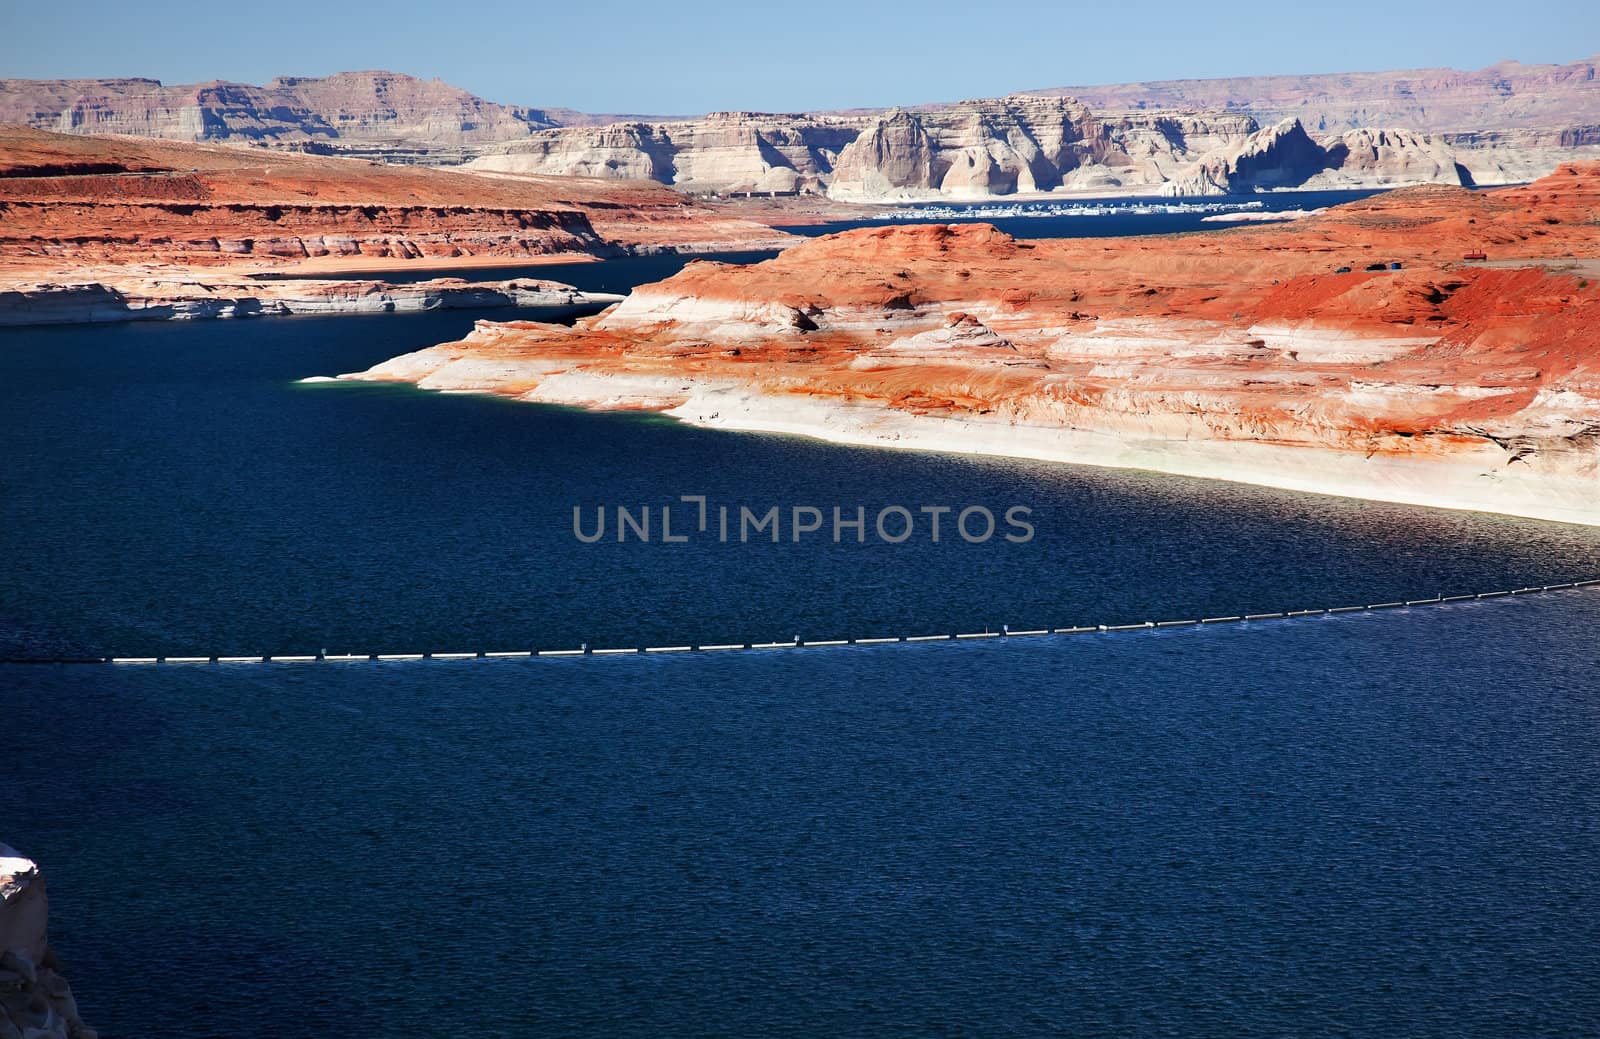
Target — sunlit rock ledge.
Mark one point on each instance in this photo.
(1357, 352)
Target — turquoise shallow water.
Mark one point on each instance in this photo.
(1374, 824)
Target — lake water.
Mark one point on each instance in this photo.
(1373, 824)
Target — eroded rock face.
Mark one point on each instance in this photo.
(1505, 124)
(35, 1000)
(1505, 96)
(375, 113)
(152, 293)
(1244, 354)
(725, 151)
(1025, 144)
(102, 199)
(1286, 156)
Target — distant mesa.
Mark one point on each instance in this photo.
(1504, 124)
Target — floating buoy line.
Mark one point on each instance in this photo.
(799, 643)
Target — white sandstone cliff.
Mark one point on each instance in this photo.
(35, 1000)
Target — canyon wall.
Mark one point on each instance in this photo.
(1022, 145)
(1504, 124)
(1355, 352)
(371, 114)
(748, 151)
(35, 1000)
(1506, 96)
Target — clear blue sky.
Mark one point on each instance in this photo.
(689, 56)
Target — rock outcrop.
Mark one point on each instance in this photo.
(370, 114)
(67, 199)
(153, 293)
(35, 1000)
(1019, 145)
(725, 151)
(1503, 124)
(1351, 352)
(1285, 156)
(1023, 144)
(1505, 96)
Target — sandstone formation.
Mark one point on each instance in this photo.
(166, 293)
(725, 151)
(1506, 96)
(1293, 355)
(1024, 144)
(35, 1000)
(370, 114)
(70, 200)
(1021, 145)
(1508, 123)
(1285, 156)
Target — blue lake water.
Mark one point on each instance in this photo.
(1363, 825)
(1373, 824)
(1099, 218)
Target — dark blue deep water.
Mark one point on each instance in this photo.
(1384, 824)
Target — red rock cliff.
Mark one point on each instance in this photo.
(1245, 354)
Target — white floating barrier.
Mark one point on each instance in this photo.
(799, 643)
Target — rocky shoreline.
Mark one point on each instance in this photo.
(1354, 352)
(35, 1000)
(155, 294)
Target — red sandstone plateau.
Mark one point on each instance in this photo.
(1245, 354)
(131, 227)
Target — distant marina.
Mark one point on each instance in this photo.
(1097, 207)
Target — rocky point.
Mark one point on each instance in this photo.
(1356, 352)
